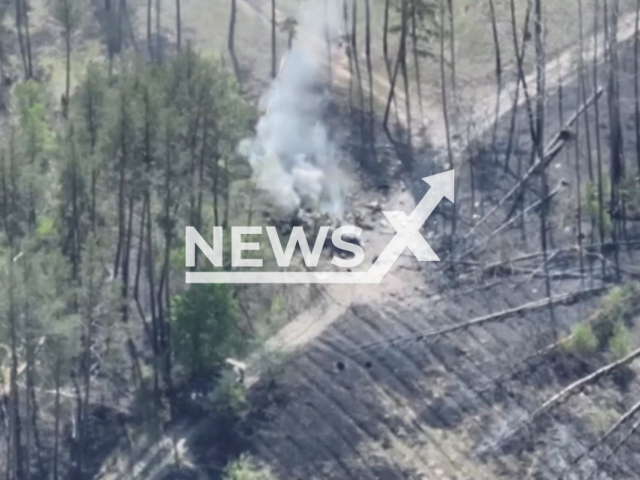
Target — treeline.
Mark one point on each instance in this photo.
(93, 204)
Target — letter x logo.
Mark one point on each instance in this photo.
(408, 226)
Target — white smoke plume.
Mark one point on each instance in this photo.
(291, 155)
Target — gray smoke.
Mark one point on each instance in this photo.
(291, 155)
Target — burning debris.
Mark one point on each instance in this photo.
(312, 222)
(361, 215)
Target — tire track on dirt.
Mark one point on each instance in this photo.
(273, 450)
(400, 402)
(524, 404)
(462, 403)
(471, 395)
(515, 400)
(294, 421)
(365, 439)
(321, 437)
(466, 375)
(371, 407)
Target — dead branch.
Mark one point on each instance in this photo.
(551, 151)
(578, 384)
(612, 429)
(514, 368)
(545, 264)
(634, 428)
(505, 225)
(530, 256)
(493, 317)
(575, 387)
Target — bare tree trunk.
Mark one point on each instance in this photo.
(539, 146)
(615, 135)
(149, 30)
(56, 428)
(587, 127)
(121, 182)
(496, 45)
(579, 192)
(156, 328)
(356, 61)
(445, 112)
(28, 410)
(27, 36)
(67, 91)
(274, 67)
(118, 41)
(16, 467)
(385, 51)
(584, 88)
(636, 86)
(164, 292)
(179, 25)
(601, 221)
(416, 65)
(159, 30)
(385, 37)
(126, 261)
(110, 39)
(403, 65)
(231, 39)
(347, 47)
(227, 193)
(519, 52)
(390, 98)
(23, 52)
(327, 38)
(127, 18)
(367, 7)
(452, 48)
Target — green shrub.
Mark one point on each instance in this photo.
(229, 396)
(608, 330)
(619, 344)
(246, 469)
(277, 305)
(204, 329)
(583, 339)
(619, 306)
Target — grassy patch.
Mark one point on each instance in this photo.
(619, 344)
(245, 468)
(582, 339)
(608, 329)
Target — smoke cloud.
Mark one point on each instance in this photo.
(291, 155)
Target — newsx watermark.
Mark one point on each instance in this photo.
(407, 235)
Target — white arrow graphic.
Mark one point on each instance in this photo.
(408, 227)
(407, 236)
